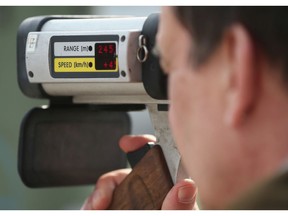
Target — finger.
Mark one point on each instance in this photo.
(130, 143)
(103, 192)
(181, 197)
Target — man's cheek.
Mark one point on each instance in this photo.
(177, 112)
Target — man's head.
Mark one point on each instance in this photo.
(227, 72)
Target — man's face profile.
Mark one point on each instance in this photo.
(204, 104)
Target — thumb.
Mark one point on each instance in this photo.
(181, 197)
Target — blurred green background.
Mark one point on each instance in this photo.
(14, 105)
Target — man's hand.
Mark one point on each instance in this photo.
(181, 196)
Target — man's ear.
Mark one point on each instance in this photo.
(243, 82)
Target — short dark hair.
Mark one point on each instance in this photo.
(268, 27)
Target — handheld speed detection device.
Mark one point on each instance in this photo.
(93, 70)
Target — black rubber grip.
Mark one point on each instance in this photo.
(135, 156)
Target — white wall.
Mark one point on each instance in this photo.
(126, 10)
